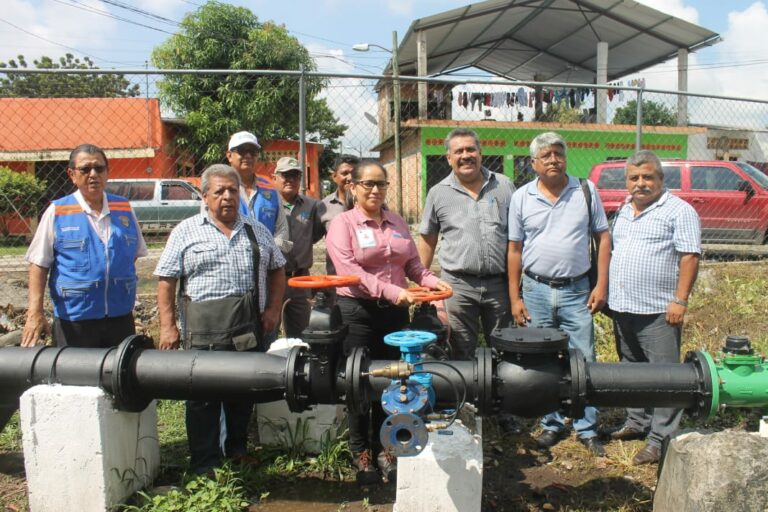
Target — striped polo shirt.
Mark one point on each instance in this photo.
(474, 231)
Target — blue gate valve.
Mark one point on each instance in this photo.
(408, 401)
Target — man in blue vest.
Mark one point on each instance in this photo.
(88, 242)
(258, 197)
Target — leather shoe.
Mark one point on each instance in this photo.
(626, 433)
(548, 439)
(648, 455)
(594, 445)
(387, 465)
(367, 474)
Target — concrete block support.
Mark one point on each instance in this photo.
(82, 454)
(447, 476)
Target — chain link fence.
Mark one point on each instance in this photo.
(714, 148)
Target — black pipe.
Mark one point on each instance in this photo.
(644, 385)
(532, 387)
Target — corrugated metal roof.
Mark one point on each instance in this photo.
(550, 40)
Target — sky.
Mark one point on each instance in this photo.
(329, 28)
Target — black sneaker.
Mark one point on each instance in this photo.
(387, 465)
(548, 439)
(367, 474)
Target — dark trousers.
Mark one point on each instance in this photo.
(101, 333)
(296, 308)
(204, 421)
(368, 324)
(649, 339)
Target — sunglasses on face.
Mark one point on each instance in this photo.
(245, 150)
(86, 169)
(369, 184)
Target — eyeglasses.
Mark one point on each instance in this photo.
(369, 184)
(294, 176)
(245, 150)
(86, 169)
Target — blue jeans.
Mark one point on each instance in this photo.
(565, 308)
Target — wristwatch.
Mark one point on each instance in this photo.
(682, 302)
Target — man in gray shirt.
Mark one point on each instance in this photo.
(469, 208)
(304, 228)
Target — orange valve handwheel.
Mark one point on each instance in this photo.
(427, 295)
(323, 281)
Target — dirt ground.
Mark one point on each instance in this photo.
(517, 475)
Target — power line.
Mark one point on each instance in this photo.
(77, 5)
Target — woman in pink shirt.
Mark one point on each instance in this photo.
(375, 244)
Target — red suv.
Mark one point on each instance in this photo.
(731, 198)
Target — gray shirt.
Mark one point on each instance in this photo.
(474, 231)
(305, 228)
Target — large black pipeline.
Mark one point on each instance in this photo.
(527, 383)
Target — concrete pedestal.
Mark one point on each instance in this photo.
(447, 476)
(80, 453)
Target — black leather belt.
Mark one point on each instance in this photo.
(465, 275)
(296, 273)
(555, 282)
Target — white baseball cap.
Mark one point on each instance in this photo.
(241, 138)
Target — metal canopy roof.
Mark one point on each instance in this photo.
(550, 40)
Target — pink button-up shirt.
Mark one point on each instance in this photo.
(387, 258)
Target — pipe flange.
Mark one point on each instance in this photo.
(293, 373)
(125, 389)
(708, 400)
(578, 394)
(484, 378)
(356, 393)
(404, 433)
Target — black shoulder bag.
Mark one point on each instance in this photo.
(592, 273)
(231, 322)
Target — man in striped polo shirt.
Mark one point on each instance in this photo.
(549, 233)
(469, 209)
(657, 245)
(89, 241)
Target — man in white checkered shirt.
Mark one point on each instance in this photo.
(213, 253)
(656, 251)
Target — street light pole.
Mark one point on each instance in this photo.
(396, 100)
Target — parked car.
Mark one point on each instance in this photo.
(159, 203)
(731, 198)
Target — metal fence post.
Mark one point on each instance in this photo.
(639, 129)
(396, 99)
(303, 128)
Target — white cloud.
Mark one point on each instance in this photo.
(676, 8)
(44, 27)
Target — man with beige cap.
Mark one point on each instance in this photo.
(305, 228)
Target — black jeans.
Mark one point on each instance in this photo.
(368, 323)
(100, 333)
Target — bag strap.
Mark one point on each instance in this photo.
(588, 199)
(256, 258)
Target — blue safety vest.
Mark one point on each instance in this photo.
(265, 204)
(89, 281)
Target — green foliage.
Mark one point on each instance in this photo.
(10, 437)
(223, 493)
(562, 113)
(222, 36)
(333, 459)
(19, 191)
(16, 85)
(654, 114)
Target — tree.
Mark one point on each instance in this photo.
(20, 194)
(20, 85)
(654, 114)
(222, 36)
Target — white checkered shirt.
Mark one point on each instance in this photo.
(646, 254)
(215, 266)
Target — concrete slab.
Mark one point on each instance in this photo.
(82, 454)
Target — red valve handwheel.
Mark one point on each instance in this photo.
(427, 295)
(323, 281)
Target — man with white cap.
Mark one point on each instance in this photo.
(305, 228)
(258, 199)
